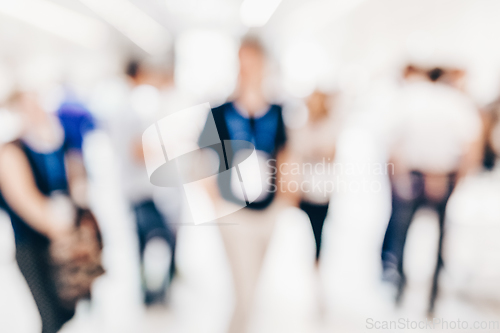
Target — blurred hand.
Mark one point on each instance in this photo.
(62, 216)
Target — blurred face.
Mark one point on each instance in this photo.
(28, 107)
(454, 78)
(251, 65)
(415, 74)
(40, 128)
(451, 77)
(155, 78)
(317, 104)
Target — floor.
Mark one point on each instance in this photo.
(344, 295)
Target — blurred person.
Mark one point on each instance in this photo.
(437, 142)
(10, 128)
(156, 235)
(313, 146)
(247, 232)
(452, 77)
(57, 242)
(76, 121)
(491, 120)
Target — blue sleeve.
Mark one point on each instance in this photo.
(76, 121)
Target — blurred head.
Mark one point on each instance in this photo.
(27, 106)
(252, 62)
(249, 93)
(317, 104)
(450, 76)
(40, 128)
(156, 72)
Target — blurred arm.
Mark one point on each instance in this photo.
(472, 157)
(21, 193)
(207, 158)
(284, 162)
(137, 150)
(77, 178)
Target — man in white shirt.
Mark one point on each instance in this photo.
(436, 142)
(142, 105)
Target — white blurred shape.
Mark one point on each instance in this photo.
(252, 171)
(256, 13)
(153, 151)
(483, 83)
(85, 69)
(62, 211)
(354, 79)
(203, 10)
(39, 71)
(201, 208)
(206, 63)
(51, 97)
(286, 294)
(295, 114)
(58, 20)
(133, 23)
(312, 17)
(10, 126)
(108, 98)
(420, 45)
(98, 156)
(181, 7)
(304, 64)
(422, 246)
(157, 258)
(6, 82)
(7, 245)
(145, 100)
(179, 131)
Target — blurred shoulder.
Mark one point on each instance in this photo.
(423, 94)
(11, 151)
(222, 108)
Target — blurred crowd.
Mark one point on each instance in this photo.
(73, 170)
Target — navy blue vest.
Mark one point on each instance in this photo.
(50, 176)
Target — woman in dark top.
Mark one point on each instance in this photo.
(265, 132)
(34, 184)
(246, 123)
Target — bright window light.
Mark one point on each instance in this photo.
(58, 20)
(133, 23)
(304, 64)
(206, 63)
(256, 13)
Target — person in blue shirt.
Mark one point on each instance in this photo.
(76, 121)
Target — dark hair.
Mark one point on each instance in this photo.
(435, 74)
(132, 68)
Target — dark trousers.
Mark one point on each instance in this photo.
(317, 215)
(151, 224)
(403, 211)
(33, 261)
